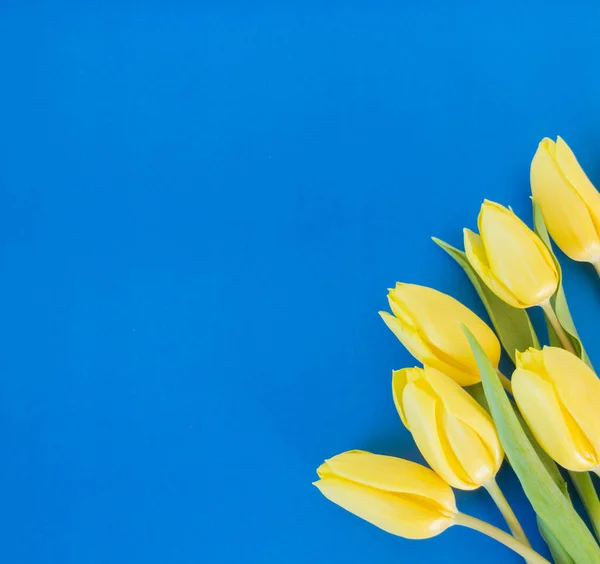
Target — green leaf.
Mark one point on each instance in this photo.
(559, 554)
(512, 325)
(548, 501)
(559, 300)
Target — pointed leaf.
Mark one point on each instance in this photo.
(560, 555)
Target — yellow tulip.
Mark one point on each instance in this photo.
(559, 395)
(402, 498)
(398, 496)
(428, 324)
(510, 258)
(569, 202)
(453, 432)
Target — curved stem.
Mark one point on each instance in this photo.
(506, 510)
(506, 383)
(497, 534)
(560, 332)
(587, 493)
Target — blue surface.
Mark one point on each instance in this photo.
(201, 207)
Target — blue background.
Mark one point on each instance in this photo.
(201, 207)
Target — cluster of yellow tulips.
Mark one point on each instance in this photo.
(464, 415)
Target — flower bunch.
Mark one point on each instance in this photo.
(465, 416)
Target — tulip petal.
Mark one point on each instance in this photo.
(393, 475)
(437, 318)
(565, 212)
(399, 381)
(420, 350)
(422, 413)
(476, 460)
(399, 309)
(460, 404)
(475, 252)
(532, 359)
(578, 388)
(575, 175)
(409, 338)
(516, 255)
(541, 409)
(397, 514)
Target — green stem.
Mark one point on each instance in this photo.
(504, 538)
(560, 332)
(507, 512)
(589, 497)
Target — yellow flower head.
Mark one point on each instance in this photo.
(559, 395)
(510, 258)
(428, 324)
(453, 432)
(569, 202)
(396, 495)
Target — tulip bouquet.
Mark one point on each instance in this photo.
(465, 416)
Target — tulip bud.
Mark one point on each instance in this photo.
(569, 202)
(510, 258)
(559, 395)
(398, 496)
(455, 435)
(428, 324)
